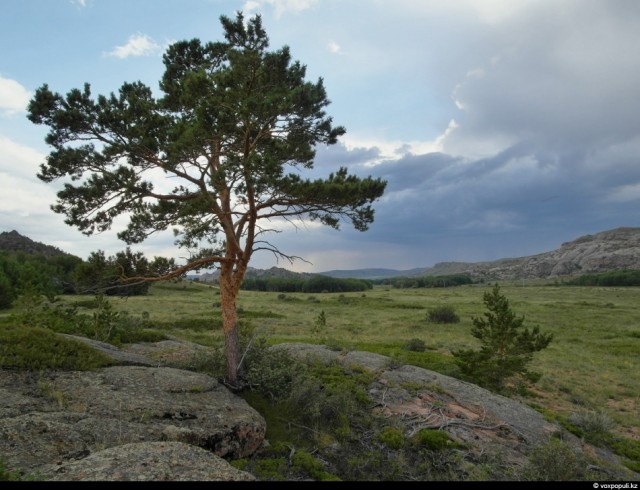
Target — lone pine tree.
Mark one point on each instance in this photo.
(505, 349)
(235, 125)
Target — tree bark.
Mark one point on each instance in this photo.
(229, 288)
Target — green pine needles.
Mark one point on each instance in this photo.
(506, 348)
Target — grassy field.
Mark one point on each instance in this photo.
(592, 363)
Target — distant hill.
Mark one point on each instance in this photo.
(603, 252)
(373, 273)
(440, 269)
(13, 241)
(591, 254)
(252, 272)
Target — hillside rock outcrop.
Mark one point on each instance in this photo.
(591, 254)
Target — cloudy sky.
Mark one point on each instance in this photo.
(503, 127)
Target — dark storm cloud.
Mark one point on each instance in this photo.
(564, 79)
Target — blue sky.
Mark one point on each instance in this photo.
(504, 127)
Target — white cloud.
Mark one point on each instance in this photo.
(14, 98)
(80, 3)
(486, 11)
(280, 6)
(19, 160)
(394, 149)
(250, 6)
(137, 45)
(287, 6)
(23, 195)
(334, 47)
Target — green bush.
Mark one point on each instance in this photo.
(303, 461)
(321, 407)
(416, 345)
(270, 372)
(555, 461)
(442, 314)
(392, 437)
(432, 439)
(104, 324)
(593, 425)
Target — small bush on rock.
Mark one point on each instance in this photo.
(555, 461)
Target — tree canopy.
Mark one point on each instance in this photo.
(217, 157)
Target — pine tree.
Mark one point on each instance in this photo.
(234, 130)
(505, 349)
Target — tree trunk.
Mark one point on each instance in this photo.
(229, 294)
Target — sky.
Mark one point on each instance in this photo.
(503, 127)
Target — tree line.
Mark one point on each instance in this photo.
(426, 281)
(49, 276)
(624, 277)
(315, 284)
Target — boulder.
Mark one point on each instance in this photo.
(58, 416)
(147, 461)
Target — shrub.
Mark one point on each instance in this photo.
(303, 461)
(392, 438)
(270, 372)
(432, 439)
(321, 406)
(442, 314)
(593, 424)
(104, 324)
(416, 345)
(555, 461)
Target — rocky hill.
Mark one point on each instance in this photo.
(603, 252)
(13, 241)
(591, 254)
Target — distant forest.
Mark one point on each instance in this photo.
(50, 275)
(315, 284)
(624, 277)
(427, 281)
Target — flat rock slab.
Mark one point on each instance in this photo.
(65, 415)
(148, 461)
(172, 352)
(118, 355)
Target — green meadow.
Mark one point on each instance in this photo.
(593, 362)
